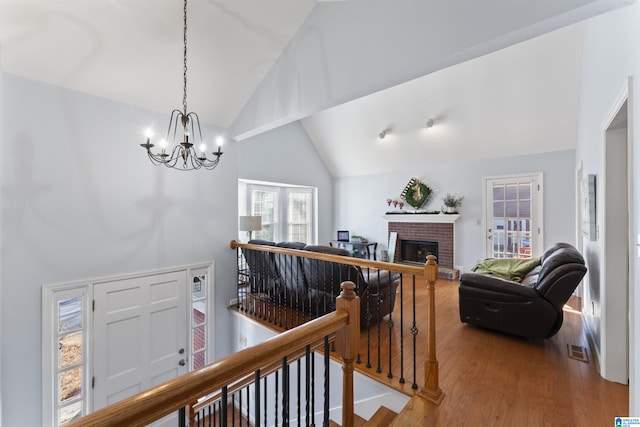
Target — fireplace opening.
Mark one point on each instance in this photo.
(416, 251)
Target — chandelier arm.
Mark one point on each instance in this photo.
(197, 121)
(173, 121)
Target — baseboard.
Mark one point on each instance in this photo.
(595, 353)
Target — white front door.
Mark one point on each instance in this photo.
(140, 336)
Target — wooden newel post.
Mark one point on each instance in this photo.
(431, 391)
(347, 339)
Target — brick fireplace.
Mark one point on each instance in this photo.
(426, 228)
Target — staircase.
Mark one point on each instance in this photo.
(415, 413)
(382, 418)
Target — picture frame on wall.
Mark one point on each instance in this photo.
(588, 199)
(393, 239)
(343, 236)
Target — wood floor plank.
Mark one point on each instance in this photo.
(494, 379)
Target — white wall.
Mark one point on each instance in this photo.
(2, 138)
(356, 196)
(287, 155)
(80, 199)
(610, 56)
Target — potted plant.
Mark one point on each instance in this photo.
(452, 202)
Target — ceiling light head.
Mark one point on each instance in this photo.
(382, 134)
(429, 124)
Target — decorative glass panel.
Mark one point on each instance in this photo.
(198, 360)
(69, 412)
(70, 382)
(199, 337)
(70, 349)
(69, 315)
(199, 313)
(199, 287)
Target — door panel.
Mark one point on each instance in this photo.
(140, 335)
(513, 216)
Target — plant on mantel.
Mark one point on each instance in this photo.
(452, 202)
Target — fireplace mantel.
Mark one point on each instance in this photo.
(429, 218)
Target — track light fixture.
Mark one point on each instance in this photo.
(382, 134)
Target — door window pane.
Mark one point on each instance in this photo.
(70, 349)
(70, 382)
(510, 234)
(69, 314)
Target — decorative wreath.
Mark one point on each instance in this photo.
(416, 193)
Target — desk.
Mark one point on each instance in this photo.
(357, 249)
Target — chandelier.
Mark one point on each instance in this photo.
(182, 155)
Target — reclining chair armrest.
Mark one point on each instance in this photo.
(484, 282)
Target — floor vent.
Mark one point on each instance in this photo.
(577, 352)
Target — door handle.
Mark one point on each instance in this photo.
(181, 351)
(182, 362)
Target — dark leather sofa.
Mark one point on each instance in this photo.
(312, 285)
(531, 308)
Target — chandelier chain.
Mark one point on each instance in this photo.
(181, 153)
(184, 69)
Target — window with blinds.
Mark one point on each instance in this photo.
(288, 212)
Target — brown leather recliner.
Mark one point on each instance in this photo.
(531, 308)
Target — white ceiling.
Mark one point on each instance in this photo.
(521, 99)
(131, 50)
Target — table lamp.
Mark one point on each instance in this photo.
(250, 223)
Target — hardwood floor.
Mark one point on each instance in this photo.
(492, 379)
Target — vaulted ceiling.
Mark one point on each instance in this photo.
(383, 65)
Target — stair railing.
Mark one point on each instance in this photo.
(182, 392)
(267, 273)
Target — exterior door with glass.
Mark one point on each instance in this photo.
(513, 216)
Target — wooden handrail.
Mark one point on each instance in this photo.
(264, 371)
(429, 272)
(398, 268)
(166, 398)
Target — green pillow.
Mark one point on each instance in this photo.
(507, 268)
